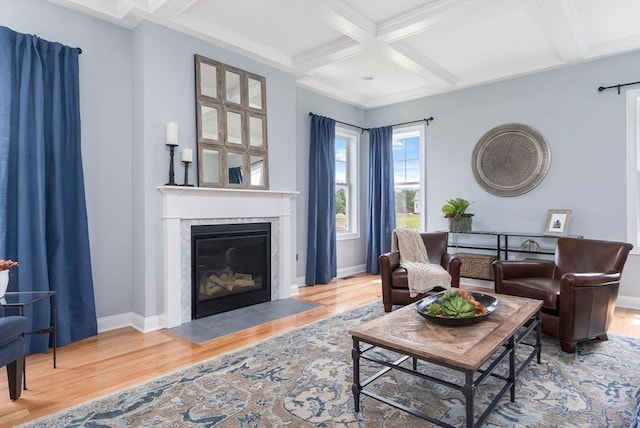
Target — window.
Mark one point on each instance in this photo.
(633, 168)
(408, 173)
(346, 144)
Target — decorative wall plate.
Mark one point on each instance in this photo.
(510, 159)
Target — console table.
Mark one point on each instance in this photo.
(501, 245)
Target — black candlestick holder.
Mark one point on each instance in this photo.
(186, 175)
(172, 181)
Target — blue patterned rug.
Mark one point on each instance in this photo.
(303, 379)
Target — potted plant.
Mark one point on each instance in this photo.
(5, 265)
(456, 211)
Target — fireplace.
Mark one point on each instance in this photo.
(184, 207)
(231, 266)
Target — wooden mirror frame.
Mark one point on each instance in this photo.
(247, 109)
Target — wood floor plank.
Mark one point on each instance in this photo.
(118, 359)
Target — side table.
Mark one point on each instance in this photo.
(22, 299)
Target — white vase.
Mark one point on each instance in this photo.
(4, 281)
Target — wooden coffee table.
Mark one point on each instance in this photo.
(475, 350)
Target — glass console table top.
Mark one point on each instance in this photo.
(24, 298)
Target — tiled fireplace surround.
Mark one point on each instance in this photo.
(187, 206)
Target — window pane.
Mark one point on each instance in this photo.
(341, 172)
(412, 172)
(341, 150)
(412, 147)
(406, 175)
(407, 207)
(342, 195)
(346, 181)
(398, 150)
(399, 173)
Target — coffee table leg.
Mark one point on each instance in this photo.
(539, 334)
(512, 367)
(356, 388)
(467, 391)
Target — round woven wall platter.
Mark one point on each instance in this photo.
(510, 159)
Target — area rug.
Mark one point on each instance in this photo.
(303, 379)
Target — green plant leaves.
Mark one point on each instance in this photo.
(456, 208)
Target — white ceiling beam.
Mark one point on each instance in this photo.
(341, 17)
(428, 16)
(331, 91)
(166, 10)
(561, 22)
(410, 60)
(326, 54)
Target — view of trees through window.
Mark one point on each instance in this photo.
(406, 176)
(342, 187)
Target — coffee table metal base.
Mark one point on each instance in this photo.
(471, 381)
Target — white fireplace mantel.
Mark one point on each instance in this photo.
(185, 205)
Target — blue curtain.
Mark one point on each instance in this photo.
(382, 212)
(321, 236)
(235, 175)
(43, 212)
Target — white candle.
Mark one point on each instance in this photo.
(187, 155)
(172, 133)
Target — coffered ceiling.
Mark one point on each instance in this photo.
(371, 53)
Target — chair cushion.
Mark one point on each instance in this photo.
(545, 289)
(11, 328)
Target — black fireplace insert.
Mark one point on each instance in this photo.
(230, 267)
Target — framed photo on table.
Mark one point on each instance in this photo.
(557, 223)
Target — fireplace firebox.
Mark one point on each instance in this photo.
(230, 267)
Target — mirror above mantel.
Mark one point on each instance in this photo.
(231, 128)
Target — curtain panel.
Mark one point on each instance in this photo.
(321, 235)
(43, 212)
(382, 211)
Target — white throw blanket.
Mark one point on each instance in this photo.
(421, 274)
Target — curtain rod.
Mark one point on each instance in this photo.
(79, 50)
(619, 85)
(427, 120)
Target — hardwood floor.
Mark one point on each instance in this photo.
(122, 358)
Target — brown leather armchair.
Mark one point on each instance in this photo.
(395, 288)
(578, 288)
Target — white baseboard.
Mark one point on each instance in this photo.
(341, 273)
(131, 319)
(628, 302)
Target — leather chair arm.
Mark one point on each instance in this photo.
(452, 264)
(590, 279)
(388, 262)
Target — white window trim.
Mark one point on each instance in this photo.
(353, 173)
(633, 169)
(421, 130)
